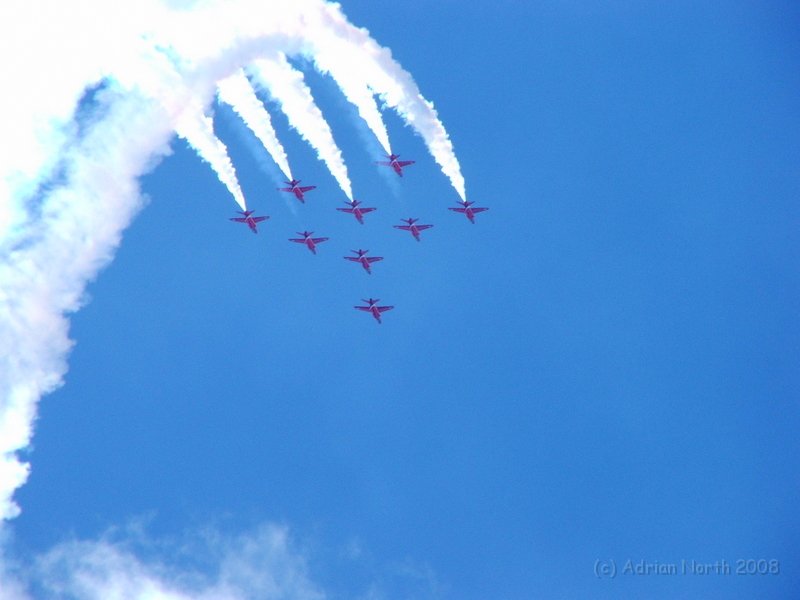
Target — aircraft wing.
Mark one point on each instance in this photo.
(422, 227)
(383, 162)
(308, 188)
(404, 227)
(364, 308)
(319, 240)
(259, 219)
(384, 308)
(366, 210)
(373, 259)
(352, 258)
(297, 240)
(458, 210)
(285, 190)
(405, 163)
(347, 210)
(239, 219)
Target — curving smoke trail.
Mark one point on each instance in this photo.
(81, 226)
(288, 87)
(76, 142)
(237, 92)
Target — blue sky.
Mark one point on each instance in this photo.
(603, 367)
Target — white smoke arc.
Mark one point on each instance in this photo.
(353, 46)
(288, 88)
(69, 170)
(237, 92)
(81, 226)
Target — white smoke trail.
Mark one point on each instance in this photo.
(354, 47)
(198, 130)
(68, 181)
(356, 91)
(237, 92)
(288, 87)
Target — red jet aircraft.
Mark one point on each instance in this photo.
(374, 308)
(414, 229)
(363, 259)
(466, 209)
(310, 242)
(296, 189)
(397, 165)
(355, 210)
(251, 221)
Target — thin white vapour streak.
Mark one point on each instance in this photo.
(237, 92)
(288, 87)
(353, 46)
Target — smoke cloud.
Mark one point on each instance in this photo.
(78, 135)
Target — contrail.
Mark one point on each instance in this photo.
(354, 47)
(237, 92)
(288, 87)
(77, 139)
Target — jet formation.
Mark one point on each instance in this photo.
(354, 208)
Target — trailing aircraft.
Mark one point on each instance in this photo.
(373, 308)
